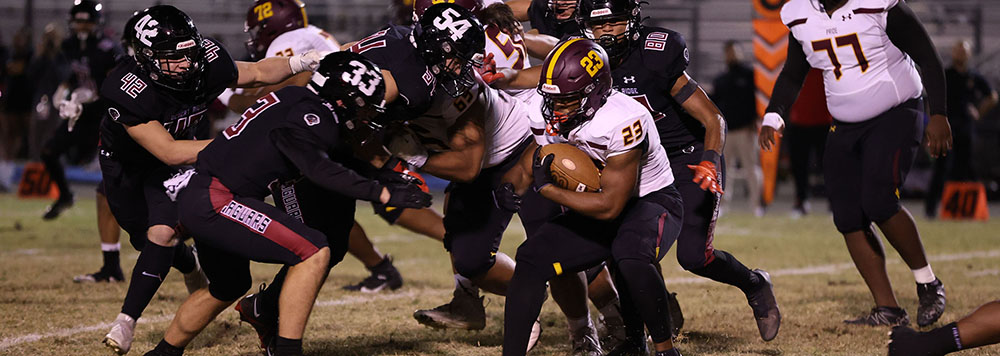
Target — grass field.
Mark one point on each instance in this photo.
(43, 313)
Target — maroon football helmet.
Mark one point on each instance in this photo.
(268, 19)
(419, 6)
(576, 81)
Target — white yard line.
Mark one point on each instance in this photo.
(353, 299)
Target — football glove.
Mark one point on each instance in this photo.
(505, 198)
(306, 61)
(706, 176)
(488, 71)
(396, 172)
(541, 170)
(407, 195)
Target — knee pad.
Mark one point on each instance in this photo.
(230, 288)
(473, 266)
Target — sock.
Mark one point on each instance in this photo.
(465, 285)
(288, 347)
(924, 275)
(57, 174)
(112, 262)
(578, 324)
(727, 269)
(942, 340)
(649, 296)
(523, 303)
(268, 302)
(166, 349)
(148, 274)
(184, 258)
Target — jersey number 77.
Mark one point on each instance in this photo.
(852, 40)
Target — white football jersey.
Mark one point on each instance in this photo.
(503, 115)
(509, 52)
(301, 40)
(622, 124)
(863, 72)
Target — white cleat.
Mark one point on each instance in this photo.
(536, 333)
(119, 338)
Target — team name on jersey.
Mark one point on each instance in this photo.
(242, 214)
(291, 201)
(185, 119)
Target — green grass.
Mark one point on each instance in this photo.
(38, 260)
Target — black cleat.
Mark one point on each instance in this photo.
(57, 208)
(765, 307)
(265, 326)
(882, 316)
(932, 302)
(630, 348)
(384, 275)
(101, 276)
(671, 352)
(676, 315)
(465, 312)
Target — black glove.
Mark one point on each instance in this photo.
(407, 196)
(541, 170)
(505, 198)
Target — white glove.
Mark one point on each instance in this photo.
(406, 146)
(773, 120)
(306, 61)
(70, 110)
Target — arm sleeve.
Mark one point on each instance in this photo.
(906, 32)
(314, 163)
(789, 82)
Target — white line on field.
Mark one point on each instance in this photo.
(353, 299)
(835, 268)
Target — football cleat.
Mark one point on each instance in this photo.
(611, 331)
(882, 316)
(384, 275)
(57, 208)
(266, 326)
(932, 302)
(765, 307)
(585, 342)
(465, 311)
(676, 315)
(671, 352)
(119, 338)
(630, 348)
(100, 276)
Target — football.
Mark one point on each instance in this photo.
(572, 168)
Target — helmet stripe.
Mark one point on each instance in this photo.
(555, 57)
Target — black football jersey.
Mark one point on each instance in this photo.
(659, 57)
(90, 60)
(244, 156)
(544, 20)
(393, 49)
(134, 99)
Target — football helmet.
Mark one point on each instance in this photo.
(167, 47)
(420, 6)
(576, 81)
(268, 19)
(592, 13)
(354, 88)
(86, 11)
(451, 41)
(557, 8)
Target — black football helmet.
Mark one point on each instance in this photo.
(592, 13)
(86, 11)
(167, 47)
(575, 83)
(451, 41)
(354, 88)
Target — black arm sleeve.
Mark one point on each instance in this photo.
(317, 166)
(789, 82)
(906, 32)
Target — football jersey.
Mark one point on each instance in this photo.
(302, 40)
(503, 115)
(394, 49)
(618, 126)
(244, 157)
(134, 99)
(658, 58)
(863, 72)
(508, 52)
(90, 60)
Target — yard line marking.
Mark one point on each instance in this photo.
(838, 267)
(353, 299)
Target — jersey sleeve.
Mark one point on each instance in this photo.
(627, 135)
(221, 71)
(125, 117)
(130, 99)
(665, 53)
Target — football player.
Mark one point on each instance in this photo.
(980, 328)
(155, 99)
(221, 203)
(632, 221)
(91, 56)
(548, 17)
(869, 51)
(648, 64)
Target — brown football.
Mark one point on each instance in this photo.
(572, 168)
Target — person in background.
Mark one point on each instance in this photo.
(15, 103)
(6, 168)
(734, 95)
(808, 122)
(969, 98)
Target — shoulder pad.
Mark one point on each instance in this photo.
(128, 91)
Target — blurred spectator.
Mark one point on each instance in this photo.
(809, 121)
(734, 94)
(969, 98)
(48, 69)
(15, 104)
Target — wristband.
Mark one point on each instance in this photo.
(773, 120)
